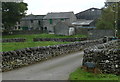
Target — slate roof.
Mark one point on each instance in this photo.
(89, 9)
(33, 17)
(58, 15)
(83, 22)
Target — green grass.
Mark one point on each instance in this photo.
(21, 45)
(29, 41)
(80, 74)
(30, 37)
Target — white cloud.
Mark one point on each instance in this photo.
(45, 6)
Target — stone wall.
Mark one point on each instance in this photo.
(27, 56)
(97, 33)
(94, 33)
(14, 40)
(81, 31)
(21, 32)
(106, 57)
(59, 39)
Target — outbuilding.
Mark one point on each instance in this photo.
(51, 19)
(64, 28)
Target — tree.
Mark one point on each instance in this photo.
(118, 18)
(12, 12)
(106, 20)
(109, 16)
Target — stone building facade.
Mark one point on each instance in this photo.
(32, 22)
(51, 19)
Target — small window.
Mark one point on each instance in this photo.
(18, 27)
(51, 21)
(39, 23)
(62, 19)
(15, 28)
(45, 28)
(19, 22)
(31, 21)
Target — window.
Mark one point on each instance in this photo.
(51, 21)
(45, 28)
(62, 19)
(19, 22)
(15, 27)
(31, 21)
(39, 23)
(18, 27)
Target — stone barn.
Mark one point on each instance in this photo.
(89, 14)
(64, 28)
(51, 19)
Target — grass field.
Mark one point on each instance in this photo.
(80, 74)
(20, 45)
(30, 43)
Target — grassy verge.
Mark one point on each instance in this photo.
(80, 74)
(30, 37)
(20, 45)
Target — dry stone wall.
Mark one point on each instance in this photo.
(59, 39)
(27, 56)
(106, 57)
(14, 40)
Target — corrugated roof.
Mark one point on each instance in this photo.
(58, 15)
(83, 22)
(33, 17)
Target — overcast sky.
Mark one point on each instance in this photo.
(41, 7)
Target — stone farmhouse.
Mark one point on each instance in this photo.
(51, 19)
(32, 22)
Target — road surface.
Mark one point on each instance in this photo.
(57, 68)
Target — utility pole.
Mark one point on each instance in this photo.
(0, 17)
(116, 18)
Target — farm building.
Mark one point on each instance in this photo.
(89, 14)
(88, 24)
(51, 19)
(64, 28)
(32, 22)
